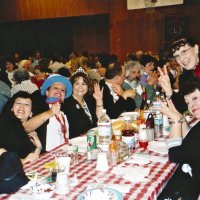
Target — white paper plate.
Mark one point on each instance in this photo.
(131, 114)
(100, 193)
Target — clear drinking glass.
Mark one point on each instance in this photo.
(72, 151)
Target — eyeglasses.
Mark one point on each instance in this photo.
(183, 53)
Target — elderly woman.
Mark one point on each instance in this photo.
(12, 135)
(23, 83)
(82, 108)
(49, 120)
(183, 144)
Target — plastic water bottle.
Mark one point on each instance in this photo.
(156, 101)
(158, 125)
(104, 129)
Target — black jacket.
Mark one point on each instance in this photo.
(120, 106)
(13, 136)
(78, 120)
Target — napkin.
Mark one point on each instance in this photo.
(133, 174)
(138, 159)
(158, 147)
(81, 142)
(143, 159)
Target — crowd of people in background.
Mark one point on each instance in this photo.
(45, 98)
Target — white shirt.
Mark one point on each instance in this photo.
(114, 94)
(54, 135)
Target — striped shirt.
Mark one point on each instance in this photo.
(26, 86)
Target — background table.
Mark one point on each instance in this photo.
(85, 170)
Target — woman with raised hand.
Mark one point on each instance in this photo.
(183, 145)
(83, 107)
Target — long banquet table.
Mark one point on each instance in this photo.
(160, 172)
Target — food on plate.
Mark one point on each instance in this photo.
(118, 125)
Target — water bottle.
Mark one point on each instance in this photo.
(156, 101)
(158, 125)
(104, 130)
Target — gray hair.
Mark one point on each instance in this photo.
(132, 64)
(20, 75)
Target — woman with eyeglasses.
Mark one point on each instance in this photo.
(186, 52)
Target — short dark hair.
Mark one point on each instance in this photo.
(182, 41)
(21, 94)
(190, 86)
(113, 70)
(146, 59)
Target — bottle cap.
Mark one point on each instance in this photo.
(148, 101)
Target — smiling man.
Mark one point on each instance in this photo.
(186, 53)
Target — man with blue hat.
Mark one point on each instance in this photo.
(49, 121)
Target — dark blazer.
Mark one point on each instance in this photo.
(78, 120)
(13, 137)
(182, 183)
(177, 98)
(120, 106)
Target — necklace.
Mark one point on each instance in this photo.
(63, 126)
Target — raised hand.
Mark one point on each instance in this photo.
(153, 78)
(170, 110)
(165, 81)
(117, 89)
(98, 93)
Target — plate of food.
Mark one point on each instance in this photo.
(131, 114)
(101, 193)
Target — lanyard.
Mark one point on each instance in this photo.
(63, 126)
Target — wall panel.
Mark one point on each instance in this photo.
(120, 32)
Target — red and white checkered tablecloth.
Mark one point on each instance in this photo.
(85, 170)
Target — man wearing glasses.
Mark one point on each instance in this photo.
(186, 53)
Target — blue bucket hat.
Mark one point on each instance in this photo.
(56, 78)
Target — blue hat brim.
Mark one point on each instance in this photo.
(57, 79)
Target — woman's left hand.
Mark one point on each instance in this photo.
(34, 139)
(98, 93)
(169, 110)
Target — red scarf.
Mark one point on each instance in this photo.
(197, 70)
(63, 127)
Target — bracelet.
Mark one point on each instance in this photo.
(181, 120)
(99, 105)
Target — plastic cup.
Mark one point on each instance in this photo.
(102, 162)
